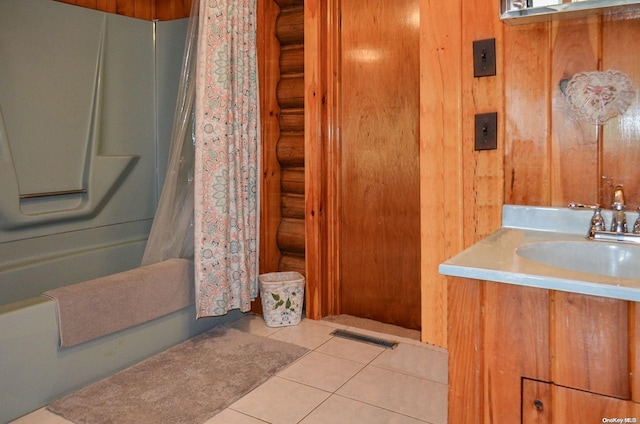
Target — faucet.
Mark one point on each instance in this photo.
(619, 220)
(618, 229)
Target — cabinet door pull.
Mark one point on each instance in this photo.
(538, 404)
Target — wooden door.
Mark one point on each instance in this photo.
(379, 161)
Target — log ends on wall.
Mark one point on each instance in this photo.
(290, 144)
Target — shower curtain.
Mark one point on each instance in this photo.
(226, 215)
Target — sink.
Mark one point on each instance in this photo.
(608, 259)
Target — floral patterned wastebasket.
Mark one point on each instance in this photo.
(282, 296)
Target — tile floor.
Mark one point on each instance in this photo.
(338, 381)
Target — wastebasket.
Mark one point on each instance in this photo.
(282, 296)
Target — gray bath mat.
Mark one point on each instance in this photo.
(188, 383)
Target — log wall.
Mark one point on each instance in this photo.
(281, 61)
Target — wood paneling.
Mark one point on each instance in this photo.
(465, 330)
(502, 336)
(620, 146)
(591, 344)
(321, 40)
(527, 159)
(544, 403)
(142, 9)
(574, 47)
(546, 156)
(441, 200)
(516, 344)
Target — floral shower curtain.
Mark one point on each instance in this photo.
(227, 158)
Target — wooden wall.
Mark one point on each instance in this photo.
(163, 10)
(545, 155)
(281, 60)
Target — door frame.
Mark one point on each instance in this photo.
(322, 146)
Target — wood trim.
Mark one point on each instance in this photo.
(321, 55)
(466, 351)
(269, 75)
(441, 200)
(314, 92)
(141, 9)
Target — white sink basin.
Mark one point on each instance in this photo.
(600, 258)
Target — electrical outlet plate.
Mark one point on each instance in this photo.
(487, 131)
(484, 58)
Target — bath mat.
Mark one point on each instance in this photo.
(188, 383)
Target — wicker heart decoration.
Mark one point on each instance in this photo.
(599, 96)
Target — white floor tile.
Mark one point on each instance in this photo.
(340, 410)
(280, 401)
(253, 324)
(322, 371)
(229, 416)
(307, 334)
(419, 361)
(349, 349)
(41, 416)
(405, 394)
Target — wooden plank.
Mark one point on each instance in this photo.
(146, 9)
(634, 350)
(441, 202)
(537, 402)
(516, 332)
(575, 406)
(483, 171)
(314, 176)
(527, 121)
(620, 149)
(466, 351)
(107, 6)
(91, 4)
(574, 149)
(125, 7)
(590, 344)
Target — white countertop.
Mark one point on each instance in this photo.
(495, 259)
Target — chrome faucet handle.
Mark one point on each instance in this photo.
(574, 205)
(619, 219)
(636, 225)
(597, 221)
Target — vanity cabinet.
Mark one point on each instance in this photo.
(533, 355)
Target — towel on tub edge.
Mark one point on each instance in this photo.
(104, 305)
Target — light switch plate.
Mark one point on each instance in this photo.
(486, 131)
(484, 58)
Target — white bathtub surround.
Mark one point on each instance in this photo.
(497, 258)
(227, 158)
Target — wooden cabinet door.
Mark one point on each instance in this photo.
(547, 403)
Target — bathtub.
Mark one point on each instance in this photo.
(34, 371)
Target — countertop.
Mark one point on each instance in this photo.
(495, 259)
